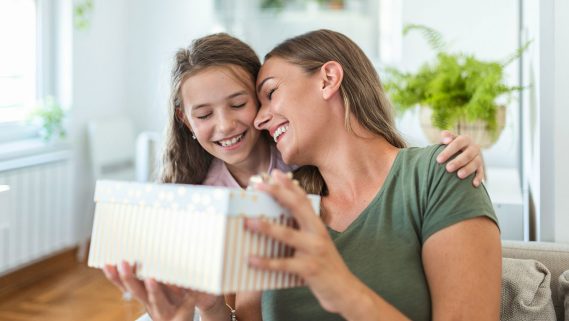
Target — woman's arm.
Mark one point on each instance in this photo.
(463, 265)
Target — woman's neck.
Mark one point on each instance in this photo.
(363, 163)
(257, 162)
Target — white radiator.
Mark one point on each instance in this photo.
(36, 209)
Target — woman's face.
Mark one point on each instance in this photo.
(220, 105)
(290, 100)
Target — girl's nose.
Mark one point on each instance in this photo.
(226, 123)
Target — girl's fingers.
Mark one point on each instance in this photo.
(112, 275)
(480, 174)
(466, 157)
(156, 296)
(447, 137)
(467, 170)
(281, 233)
(457, 145)
(132, 284)
(186, 310)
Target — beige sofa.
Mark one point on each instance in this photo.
(528, 285)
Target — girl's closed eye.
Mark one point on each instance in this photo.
(239, 105)
(203, 116)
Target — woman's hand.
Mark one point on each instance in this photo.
(163, 302)
(468, 160)
(315, 258)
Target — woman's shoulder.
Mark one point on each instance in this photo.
(421, 157)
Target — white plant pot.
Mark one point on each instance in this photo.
(476, 130)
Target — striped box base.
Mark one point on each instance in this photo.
(190, 236)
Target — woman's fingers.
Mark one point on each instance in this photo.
(280, 233)
(281, 264)
(292, 197)
(132, 284)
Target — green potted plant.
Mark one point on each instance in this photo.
(457, 91)
(49, 117)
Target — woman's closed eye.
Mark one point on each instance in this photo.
(270, 93)
(239, 105)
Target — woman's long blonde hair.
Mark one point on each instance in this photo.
(361, 89)
(184, 159)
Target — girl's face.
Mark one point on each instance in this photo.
(220, 105)
(291, 109)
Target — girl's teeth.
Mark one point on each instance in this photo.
(229, 142)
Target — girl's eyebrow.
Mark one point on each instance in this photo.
(239, 93)
(262, 83)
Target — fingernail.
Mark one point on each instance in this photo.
(450, 167)
(461, 174)
(439, 159)
(446, 140)
(476, 182)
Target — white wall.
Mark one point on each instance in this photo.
(485, 28)
(155, 31)
(561, 132)
(99, 90)
(121, 65)
(546, 115)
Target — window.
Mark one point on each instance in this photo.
(18, 59)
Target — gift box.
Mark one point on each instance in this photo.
(188, 235)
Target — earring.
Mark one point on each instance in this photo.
(193, 136)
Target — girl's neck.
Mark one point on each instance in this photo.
(257, 162)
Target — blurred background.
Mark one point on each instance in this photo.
(84, 87)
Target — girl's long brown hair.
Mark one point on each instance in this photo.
(184, 160)
(361, 89)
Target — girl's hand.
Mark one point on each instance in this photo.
(315, 258)
(163, 302)
(468, 160)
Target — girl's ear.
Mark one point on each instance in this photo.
(331, 74)
(180, 115)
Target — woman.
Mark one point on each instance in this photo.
(400, 237)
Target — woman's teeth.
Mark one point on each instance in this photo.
(281, 130)
(230, 142)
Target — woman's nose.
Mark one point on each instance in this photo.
(262, 119)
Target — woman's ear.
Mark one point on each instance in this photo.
(332, 75)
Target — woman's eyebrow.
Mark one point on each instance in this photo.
(262, 83)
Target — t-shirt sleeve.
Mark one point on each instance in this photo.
(449, 199)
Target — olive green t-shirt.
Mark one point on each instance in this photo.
(382, 247)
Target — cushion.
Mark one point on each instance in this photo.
(526, 292)
(564, 291)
